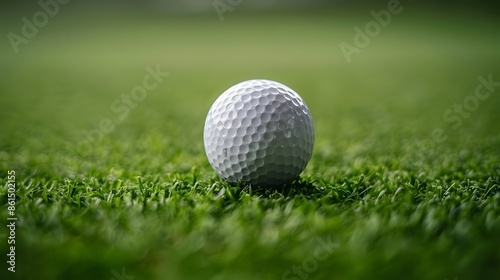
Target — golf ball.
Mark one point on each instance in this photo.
(260, 132)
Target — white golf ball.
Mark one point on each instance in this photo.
(260, 132)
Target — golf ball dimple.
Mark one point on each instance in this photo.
(259, 132)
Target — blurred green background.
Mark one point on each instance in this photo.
(374, 116)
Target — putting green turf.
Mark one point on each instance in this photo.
(143, 200)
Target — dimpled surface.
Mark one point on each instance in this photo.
(260, 132)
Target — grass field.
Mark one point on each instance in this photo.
(380, 199)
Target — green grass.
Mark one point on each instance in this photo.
(145, 199)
